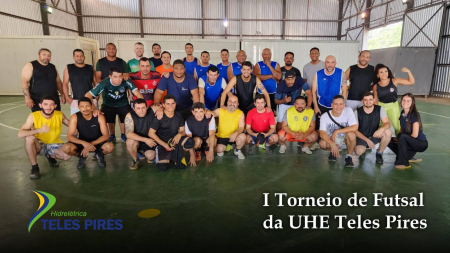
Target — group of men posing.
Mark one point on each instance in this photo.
(175, 107)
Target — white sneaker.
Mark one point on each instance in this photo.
(283, 149)
(239, 154)
(314, 146)
(220, 154)
(306, 150)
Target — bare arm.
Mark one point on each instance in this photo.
(311, 128)
(324, 136)
(28, 128)
(202, 94)
(276, 72)
(129, 129)
(264, 91)
(66, 85)
(249, 130)
(195, 95)
(314, 95)
(227, 90)
(402, 81)
(347, 74)
(351, 128)
(65, 121)
(375, 94)
(309, 97)
(98, 76)
(158, 95)
(152, 134)
(241, 124)
(286, 128)
(137, 93)
(257, 73)
(271, 130)
(230, 72)
(89, 95)
(27, 73)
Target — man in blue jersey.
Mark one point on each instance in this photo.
(210, 87)
(223, 66)
(200, 70)
(235, 68)
(190, 62)
(269, 72)
(327, 83)
(182, 86)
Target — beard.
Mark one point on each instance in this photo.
(48, 114)
(300, 109)
(157, 54)
(289, 64)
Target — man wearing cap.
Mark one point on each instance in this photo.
(260, 126)
(298, 125)
(287, 91)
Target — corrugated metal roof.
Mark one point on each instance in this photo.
(296, 9)
(104, 39)
(214, 27)
(15, 26)
(263, 9)
(63, 19)
(322, 28)
(261, 27)
(172, 26)
(127, 8)
(420, 18)
(233, 27)
(22, 8)
(61, 32)
(214, 8)
(124, 25)
(295, 28)
(173, 36)
(234, 8)
(323, 9)
(172, 8)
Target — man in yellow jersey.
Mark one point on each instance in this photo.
(42, 133)
(231, 127)
(298, 125)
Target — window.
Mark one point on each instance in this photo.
(386, 36)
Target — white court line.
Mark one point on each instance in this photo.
(13, 128)
(435, 115)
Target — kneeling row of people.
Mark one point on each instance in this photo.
(160, 132)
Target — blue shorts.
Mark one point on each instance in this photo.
(254, 139)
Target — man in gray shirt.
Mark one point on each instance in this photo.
(310, 69)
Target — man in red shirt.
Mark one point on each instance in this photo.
(145, 80)
(260, 125)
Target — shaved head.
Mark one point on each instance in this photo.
(330, 64)
(241, 56)
(266, 55)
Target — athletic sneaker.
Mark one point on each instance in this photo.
(314, 146)
(415, 160)
(198, 156)
(379, 158)
(300, 144)
(250, 150)
(349, 162)
(52, 161)
(112, 138)
(269, 150)
(402, 167)
(94, 157)
(307, 150)
(239, 154)
(139, 155)
(35, 174)
(229, 147)
(134, 164)
(124, 138)
(101, 159)
(220, 154)
(283, 149)
(331, 158)
(81, 162)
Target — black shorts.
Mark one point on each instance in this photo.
(80, 147)
(361, 142)
(111, 112)
(224, 141)
(144, 147)
(163, 154)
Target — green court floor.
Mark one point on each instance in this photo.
(218, 207)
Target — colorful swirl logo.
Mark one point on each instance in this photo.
(46, 202)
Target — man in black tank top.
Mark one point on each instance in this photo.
(81, 78)
(137, 126)
(92, 135)
(110, 61)
(369, 131)
(39, 78)
(361, 76)
(245, 85)
(203, 131)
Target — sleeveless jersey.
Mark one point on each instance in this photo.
(212, 92)
(328, 86)
(360, 81)
(387, 94)
(43, 80)
(228, 122)
(299, 121)
(55, 124)
(89, 130)
(80, 79)
(223, 71)
(269, 84)
(190, 66)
